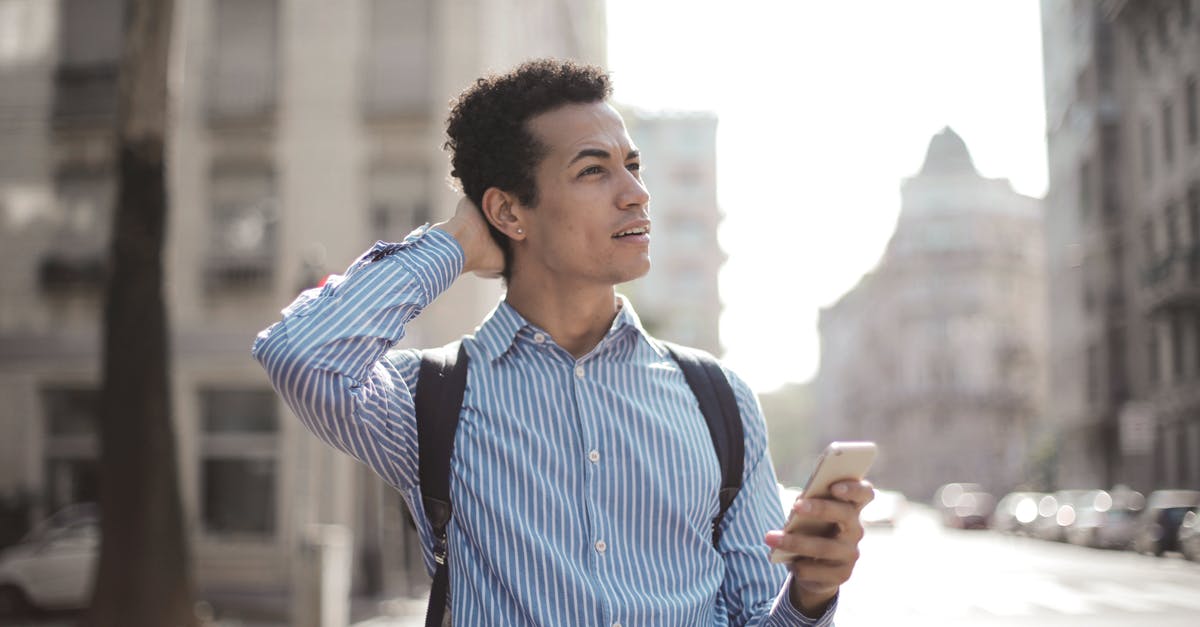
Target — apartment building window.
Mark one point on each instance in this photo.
(240, 459)
(243, 70)
(1168, 131)
(1093, 372)
(1178, 346)
(1171, 216)
(1152, 356)
(1143, 52)
(1085, 188)
(243, 227)
(1192, 111)
(397, 65)
(71, 422)
(1193, 209)
(399, 200)
(85, 83)
(1147, 151)
(76, 256)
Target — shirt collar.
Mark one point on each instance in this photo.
(501, 328)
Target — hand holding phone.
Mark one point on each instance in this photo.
(841, 461)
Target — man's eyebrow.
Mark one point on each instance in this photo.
(600, 154)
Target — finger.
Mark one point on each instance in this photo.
(844, 515)
(857, 492)
(813, 547)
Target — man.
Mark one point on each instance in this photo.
(583, 478)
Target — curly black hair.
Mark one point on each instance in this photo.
(488, 135)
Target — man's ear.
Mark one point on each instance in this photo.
(502, 210)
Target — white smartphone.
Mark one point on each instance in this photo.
(840, 461)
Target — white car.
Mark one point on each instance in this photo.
(51, 568)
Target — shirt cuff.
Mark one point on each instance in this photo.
(784, 613)
(431, 255)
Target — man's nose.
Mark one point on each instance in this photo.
(635, 194)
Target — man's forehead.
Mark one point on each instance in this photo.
(569, 127)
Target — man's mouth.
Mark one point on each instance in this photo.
(637, 230)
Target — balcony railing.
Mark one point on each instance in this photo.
(238, 272)
(61, 273)
(1174, 278)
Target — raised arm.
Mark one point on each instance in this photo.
(327, 356)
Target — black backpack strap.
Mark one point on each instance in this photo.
(438, 399)
(719, 406)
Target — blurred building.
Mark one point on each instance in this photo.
(679, 300)
(301, 132)
(936, 354)
(1123, 240)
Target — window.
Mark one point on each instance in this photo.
(1148, 241)
(1093, 373)
(1147, 151)
(1152, 355)
(82, 220)
(397, 66)
(243, 72)
(71, 421)
(240, 461)
(242, 231)
(90, 41)
(26, 31)
(1192, 111)
(1168, 131)
(1085, 188)
(1177, 347)
(399, 200)
(1162, 26)
(1143, 53)
(1171, 214)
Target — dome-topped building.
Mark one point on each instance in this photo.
(948, 155)
(936, 354)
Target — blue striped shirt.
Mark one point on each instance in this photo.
(583, 489)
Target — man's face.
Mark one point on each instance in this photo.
(590, 197)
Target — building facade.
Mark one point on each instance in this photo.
(679, 300)
(935, 354)
(301, 131)
(1123, 231)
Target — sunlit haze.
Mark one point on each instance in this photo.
(824, 108)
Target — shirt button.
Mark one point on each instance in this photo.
(594, 456)
(601, 546)
(616, 625)
(539, 338)
(579, 371)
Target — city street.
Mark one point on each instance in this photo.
(922, 574)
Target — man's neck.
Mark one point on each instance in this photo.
(577, 318)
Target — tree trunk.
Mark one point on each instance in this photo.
(144, 574)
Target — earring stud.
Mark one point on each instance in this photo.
(520, 231)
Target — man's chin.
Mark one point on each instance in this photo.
(634, 273)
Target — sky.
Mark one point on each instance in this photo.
(823, 109)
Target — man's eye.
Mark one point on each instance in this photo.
(591, 169)
(634, 167)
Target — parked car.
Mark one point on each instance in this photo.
(1106, 520)
(1057, 512)
(1159, 525)
(51, 567)
(1016, 512)
(885, 509)
(964, 505)
(1189, 536)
